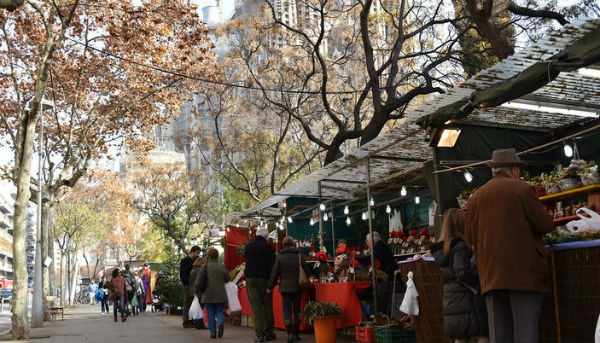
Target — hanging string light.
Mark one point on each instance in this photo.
(417, 200)
(290, 220)
(348, 221)
(372, 202)
(325, 217)
(468, 176)
(322, 207)
(312, 222)
(388, 209)
(403, 191)
(346, 209)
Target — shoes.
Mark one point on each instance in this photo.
(259, 339)
(115, 319)
(188, 325)
(123, 318)
(297, 330)
(220, 330)
(270, 337)
(212, 335)
(290, 332)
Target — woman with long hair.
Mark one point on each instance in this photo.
(287, 270)
(464, 308)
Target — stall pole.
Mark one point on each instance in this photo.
(374, 278)
(332, 233)
(440, 205)
(320, 220)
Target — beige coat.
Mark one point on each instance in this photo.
(505, 223)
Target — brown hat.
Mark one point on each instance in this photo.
(505, 158)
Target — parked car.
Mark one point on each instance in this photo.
(6, 293)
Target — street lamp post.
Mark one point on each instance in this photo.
(37, 312)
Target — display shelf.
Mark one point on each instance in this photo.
(570, 193)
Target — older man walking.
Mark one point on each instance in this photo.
(505, 223)
(260, 257)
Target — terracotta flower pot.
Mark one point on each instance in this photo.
(326, 329)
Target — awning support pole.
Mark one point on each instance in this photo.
(320, 220)
(332, 233)
(372, 250)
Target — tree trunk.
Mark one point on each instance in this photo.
(73, 283)
(20, 326)
(52, 267)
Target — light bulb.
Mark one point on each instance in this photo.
(568, 150)
(388, 209)
(325, 217)
(372, 202)
(290, 220)
(346, 209)
(312, 222)
(322, 207)
(364, 216)
(417, 200)
(348, 221)
(468, 176)
(403, 191)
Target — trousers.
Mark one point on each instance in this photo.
(212, 311)
(291, 303)
(513, 316)
(261, 306)
(187, 302)
(118, 304)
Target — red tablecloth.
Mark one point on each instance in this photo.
(277, 306)
(344, 294)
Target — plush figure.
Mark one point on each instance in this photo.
(341, 268)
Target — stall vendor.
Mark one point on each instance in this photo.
(384, 261)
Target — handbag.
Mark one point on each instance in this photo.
(303, 281)
(204, 279)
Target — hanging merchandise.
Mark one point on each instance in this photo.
(410, 304)
(432, 209)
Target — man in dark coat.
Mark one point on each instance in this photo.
(384, 260)
(185, 268)
(505, 223)
(260, 257)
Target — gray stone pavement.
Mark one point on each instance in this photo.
(85, 324)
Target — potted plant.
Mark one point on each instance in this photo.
(323, 317)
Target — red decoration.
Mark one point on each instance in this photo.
(354, 263)
(321, 256)
(342, 250)
(377, 263)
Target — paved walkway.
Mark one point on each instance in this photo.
(85, 324)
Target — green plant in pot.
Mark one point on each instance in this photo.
(323, 317)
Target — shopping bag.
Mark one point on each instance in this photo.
(134, 301)
(233, 302)
(302, 278)
(410, 304)
(196, 310)
(597, 338)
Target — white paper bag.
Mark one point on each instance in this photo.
(233, 302)
(196, 310)
(410, 304)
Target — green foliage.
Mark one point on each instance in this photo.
(315, 309)
(170, 287)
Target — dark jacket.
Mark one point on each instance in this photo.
(104, 285)
(286, 269)
(260, 257)
(194, 274)
(130, 284)
(505, 222)
(185, 267)
(385, 256)
(218, 276)
(464, 312)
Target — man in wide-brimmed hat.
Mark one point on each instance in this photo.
(505, 223)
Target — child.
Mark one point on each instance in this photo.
(464, 308)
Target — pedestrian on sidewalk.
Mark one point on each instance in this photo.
(147, 299)
(103, 286)
(117, 293)
(463, 308)
(130, 287)
(287, 270)
(214, 296)
(195, 288)
(260, 257)
(92, 289)
(505, 222)
(185, 268)
(139, 293)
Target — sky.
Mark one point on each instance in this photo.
(227, 5)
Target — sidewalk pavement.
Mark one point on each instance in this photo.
(85, 324)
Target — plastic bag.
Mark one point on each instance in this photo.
(597, 338)
(134, 301)
(233, 302)
(410, 304)
(196, 311)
